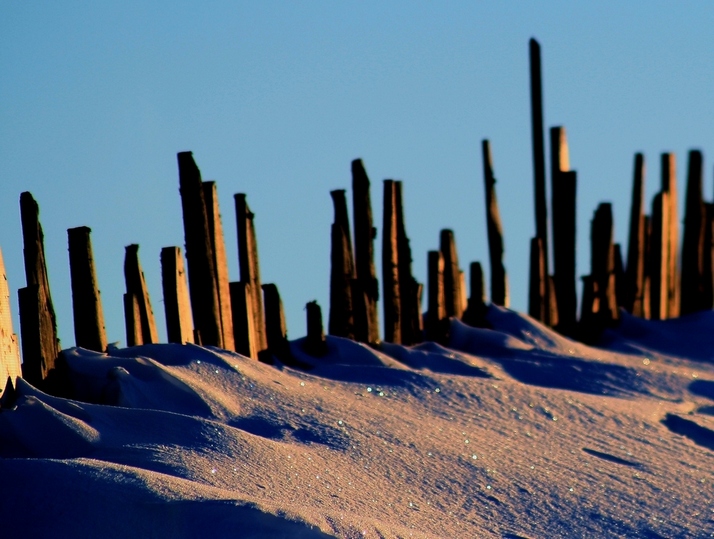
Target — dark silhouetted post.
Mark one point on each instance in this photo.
(243, 319)
(275, 328)
(89, 329)
(199, 253)
(635, 271)
(602, 262)
(453, 295)
(708, 263)
(475, 313)
(220, 263)
(136, 287)
(436, 321)
(619, 277)
(541, 211)
(177, 307)
(499, 280)
(537, 303)
(409, 288)
(315, 343)
(9, 350)
(693, 250)
(390, 267)
(342, 271)
(563, 192)
(659, 257)
(132, 320)
(669, 186)
(366, 287)
(38, 326)
(250, 267)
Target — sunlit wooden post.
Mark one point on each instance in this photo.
(342, 271)
(365, 287)
(669, 186)
(453, 295)
(499, 279)
(635, 271)
(409, 289)
(695, 220)
(132, 320)
(38, 326)
(177, 306)
(9, 350)
(602, 262)
(390, 267)
(243, 319)
(89, 331)
(436, 319)
(136, 288)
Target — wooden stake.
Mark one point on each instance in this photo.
(708, 259)
(436, 322)
(341, 322)
(89, 329)
(499, 280)
(136, 287)
(243, 319)
(275, 327)
(390, 267)
(602, 262)
(9, 350)
(659, 257)
(693, 250)
(132, 320)
(409, 289)
(452, 279)
(177, 307)
(537, 282)
(315, 343)
(475, 313)
(635, 272)
(669, 186)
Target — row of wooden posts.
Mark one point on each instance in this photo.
(247, 316)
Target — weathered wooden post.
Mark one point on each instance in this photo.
(38, 326)
(619, 273)
(9, 350)
(342, 271)
(563, 192)
(635, 271)
(315, 343)
(136, 287)
(390, 267)
(659, 257)
(693, 249)
(199, 253)
(89, 331)
(602, 262)
(366, 287)
(669, 186)
(708, 271)
(475, 313)
(537, 299)
(541, 211)
(647, 283)
(276, 330)
(436, 319)
(409, 289)
(453, 295)
(177, 307)
(499, 280)
(132, 320)
(250, 267)
(588, 327)
(220, 263)
(244, 334)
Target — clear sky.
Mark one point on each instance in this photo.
(276, 98)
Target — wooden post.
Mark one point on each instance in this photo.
(136, 286)
(275, 327)
(199, 253)
(409, 288)
(647, 283)
(708, 262)
(635, 272)
(342, 271)
(452, 277)
(563, 193)
(602, 262)
(367, 288)
(9, 350)
(475, 313)
(669, 186)
(499, 280)
(537, 304)
(177, 307)
(541, 211)
(250, 267)
(244, 334)
(390, 267)
(659, 257)
(220, 263)
(590, 306)
(132, 320)
(693, 250)
(38, 326)
(89, 329)
(315, 343)
(435, 324)
(619, 274)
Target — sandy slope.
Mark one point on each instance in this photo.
(512, 432)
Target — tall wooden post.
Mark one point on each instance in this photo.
(409, 288)
(635, 271)
(244, 334)
(499, 280)
(708, 262)
(199, 253)
(563, 192)
(250, 267)
(89, 331)
(220, 263)
(390, 267)
(693, 250)
(541, 211)
(436, 313)
(537, 299)
(315, 343)
(136, 286)
(669, 186)
(659, 257)
(276, 330)
(342, 271)
(38, 326)
(647, 283)
(619, 276)
(602, 262)
(452, 275)
(177, 307)
(366, 285)
(9, 350)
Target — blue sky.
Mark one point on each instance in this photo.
(276, 98)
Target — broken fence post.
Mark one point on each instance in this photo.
(177, 306)
(658, 267)
(499, 279)
(475, 313)
(692, 295)
(537, 281)
(342, 271)
(390, 267)
(436, 323)
(636, 257)
(243, 313)
(315, 343)
(275, 327)
(669, 186)
(411, 324)
(453, 295)
(136, 287)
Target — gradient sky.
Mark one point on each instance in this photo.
(276, 98)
